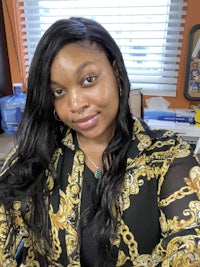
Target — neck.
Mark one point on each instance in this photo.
(100, 143)
(93, 156)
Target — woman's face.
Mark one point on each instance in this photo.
(85, 90)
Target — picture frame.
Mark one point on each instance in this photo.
(192, 77)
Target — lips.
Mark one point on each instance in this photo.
(87, 122)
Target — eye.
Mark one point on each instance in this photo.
(57, 93)
(89, 80)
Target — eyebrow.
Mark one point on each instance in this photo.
(79, 69)
(53, 83)
(83, 65)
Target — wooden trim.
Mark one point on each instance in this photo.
(14, 41)
(5, 79)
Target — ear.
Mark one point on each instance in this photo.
(115, 68)
(116, 71)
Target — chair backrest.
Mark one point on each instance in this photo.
(135, 102)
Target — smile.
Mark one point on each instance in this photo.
(87, 122)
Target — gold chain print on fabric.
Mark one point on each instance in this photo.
(153, 166)
(74, 191)
(192, 212)
(172, 226)
(143, 260)
(192, 186)
(182, 252)
(137, 171)
(128, 238)
(68, 214)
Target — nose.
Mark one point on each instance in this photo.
(78, 103)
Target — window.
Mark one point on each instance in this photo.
(149, 34)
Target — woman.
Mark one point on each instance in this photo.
(88, 184)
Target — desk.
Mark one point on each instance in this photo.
(188, 132)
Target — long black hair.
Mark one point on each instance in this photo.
(40, 133)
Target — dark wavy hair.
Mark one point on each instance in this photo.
(39, 134)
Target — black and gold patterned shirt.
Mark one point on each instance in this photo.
(159, 205)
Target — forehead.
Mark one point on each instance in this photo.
(83, 46)
(74, 59)
(76, 53)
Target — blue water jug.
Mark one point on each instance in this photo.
(12, 107)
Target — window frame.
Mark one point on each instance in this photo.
(23, 61)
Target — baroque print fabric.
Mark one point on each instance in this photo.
(159, 206)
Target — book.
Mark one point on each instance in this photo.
(176, 115)
(177, 119)
(185, 115)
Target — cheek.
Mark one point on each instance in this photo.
(111, 95)
(110, 105)
(61, 108)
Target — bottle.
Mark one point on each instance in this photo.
(12, 107)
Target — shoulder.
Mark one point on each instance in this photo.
(141, 127)
(160, 148)
(148, 137)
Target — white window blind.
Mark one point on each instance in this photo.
(149, 34)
